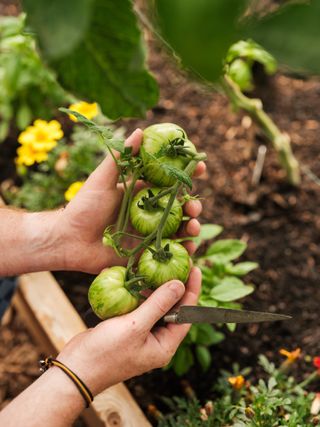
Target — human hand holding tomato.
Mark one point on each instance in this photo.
(81, 224)
(129, 345)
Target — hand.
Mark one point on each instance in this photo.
(81, 224)
(126, 346)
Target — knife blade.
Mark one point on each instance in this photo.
(199, 314)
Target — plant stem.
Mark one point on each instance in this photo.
(135, 176)
(161, 194)
(143, 244)
(279, 140)
(123, 217)
(309, 379)
(174, 191)
(124, 233)
(123, 179)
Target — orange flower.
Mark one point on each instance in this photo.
(237, 382)
(291, 356)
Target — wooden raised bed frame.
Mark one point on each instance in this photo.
(52, 321)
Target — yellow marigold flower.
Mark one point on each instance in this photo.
(73, 190)
(86, 109)
(42, 135)
(237, 382)
(28, 156)
(291, 356)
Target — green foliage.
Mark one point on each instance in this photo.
(104, 60)
(201, 31)
(240, 58)
(44, 187)
(279, 400)
(221, 287)
(28, 89)
(291, 34)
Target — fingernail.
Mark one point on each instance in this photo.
(177, 287)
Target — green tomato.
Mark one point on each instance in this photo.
(161, 137)
(157, 273)
(108, 296)
(146, 218)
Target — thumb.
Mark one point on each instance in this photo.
(107, 174)
(159, 303)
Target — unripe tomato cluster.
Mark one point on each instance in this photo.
(155, 213)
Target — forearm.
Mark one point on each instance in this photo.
(52, 401)
(29, 242)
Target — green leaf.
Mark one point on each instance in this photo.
(23, 116)
(182, 360)
(200, 31)
(203, 357)
(249, 49)
(291, 35)
(98, 54)
(225, 250)
(207, 232)
(230, 289)
(206, 301)
(207, 335)
(104, 132)
(231, 326)
(61, 25)
(242, 268)
(179, 174)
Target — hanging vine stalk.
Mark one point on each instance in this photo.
(279, 140)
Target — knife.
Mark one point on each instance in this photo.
(199, 314)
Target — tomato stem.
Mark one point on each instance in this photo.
(160, 195)
(124, 209)
(174, 192)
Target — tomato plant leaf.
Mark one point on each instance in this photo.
(231, 326)
(249, 49)
(242, 268)
(60, 24)
(203, 356)
(105, 62)
(290, 34)
(179, 174)
(207, 335)
(200, 31)
(182, 360)
(207, 232)
(106, 133)
(225, 250)
(230, 289)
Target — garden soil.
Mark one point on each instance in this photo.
(280, 224)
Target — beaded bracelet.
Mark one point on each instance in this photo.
(83, 389)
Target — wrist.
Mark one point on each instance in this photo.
(43, 241)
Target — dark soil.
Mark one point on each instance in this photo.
(281, 224)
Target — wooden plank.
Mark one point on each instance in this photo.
(53, 321)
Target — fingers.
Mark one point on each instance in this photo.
(158, 304)
(170, 337)
(200, 169)
(106, 175)
(193, 208)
